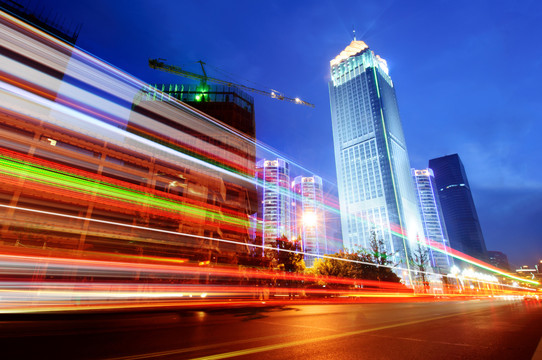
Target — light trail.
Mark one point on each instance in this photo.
(80, 185)
(88, 171)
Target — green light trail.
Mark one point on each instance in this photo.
(91, 187)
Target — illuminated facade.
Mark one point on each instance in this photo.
(432, 220)
(310, 222)
(373, 169)
(460, 216)
(275, 200)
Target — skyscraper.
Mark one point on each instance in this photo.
(432, 219)
(275, 200)
(310, 223)
(373, 169)
(458, 207)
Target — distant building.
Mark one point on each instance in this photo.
(373, 170)
(432, 220)
(498, 259)
(275, 200)
(309, 215)
(460, 214)
(52, 24)
(530, 272)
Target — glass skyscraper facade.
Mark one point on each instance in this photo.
(373, 169)
(310, 222)
(432, 220)
(275, 200)
(458, 207)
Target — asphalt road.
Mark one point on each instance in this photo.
(474, 329)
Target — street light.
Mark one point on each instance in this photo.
(309, 219)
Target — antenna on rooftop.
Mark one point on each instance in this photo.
(354, 32)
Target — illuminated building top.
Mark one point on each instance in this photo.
(424, 172)
(354, 48)
(357, 48)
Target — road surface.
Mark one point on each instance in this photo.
(473, 329)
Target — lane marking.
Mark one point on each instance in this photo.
(322, 338)
(429, 341)
(538, 352)
(296, 325)
(195, 348)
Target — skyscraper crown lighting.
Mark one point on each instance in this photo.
(354, 48)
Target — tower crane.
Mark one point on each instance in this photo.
(159, 64)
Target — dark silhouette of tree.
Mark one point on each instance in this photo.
(378, 255)
(420, 260)
(365, 264)
(287, 256)
(254, 257)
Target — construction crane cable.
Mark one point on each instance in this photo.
(159, 64)
(235, 76)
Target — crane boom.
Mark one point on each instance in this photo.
(159, 64)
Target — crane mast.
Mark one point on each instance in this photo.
(159, 64)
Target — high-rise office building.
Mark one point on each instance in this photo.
(373, 168)
(275, 200)
(432, 220)
(458, 207)
(498, 259)
(310, 222)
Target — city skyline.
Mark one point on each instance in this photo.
(133, 216)
(432, 51)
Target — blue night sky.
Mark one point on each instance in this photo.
(467, 76)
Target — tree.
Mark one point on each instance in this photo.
(378, 255)
(336, 266)
(254, 257)
(420, 260)
(365, 264)
(287, 256)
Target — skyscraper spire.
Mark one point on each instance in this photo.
(354, 32)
